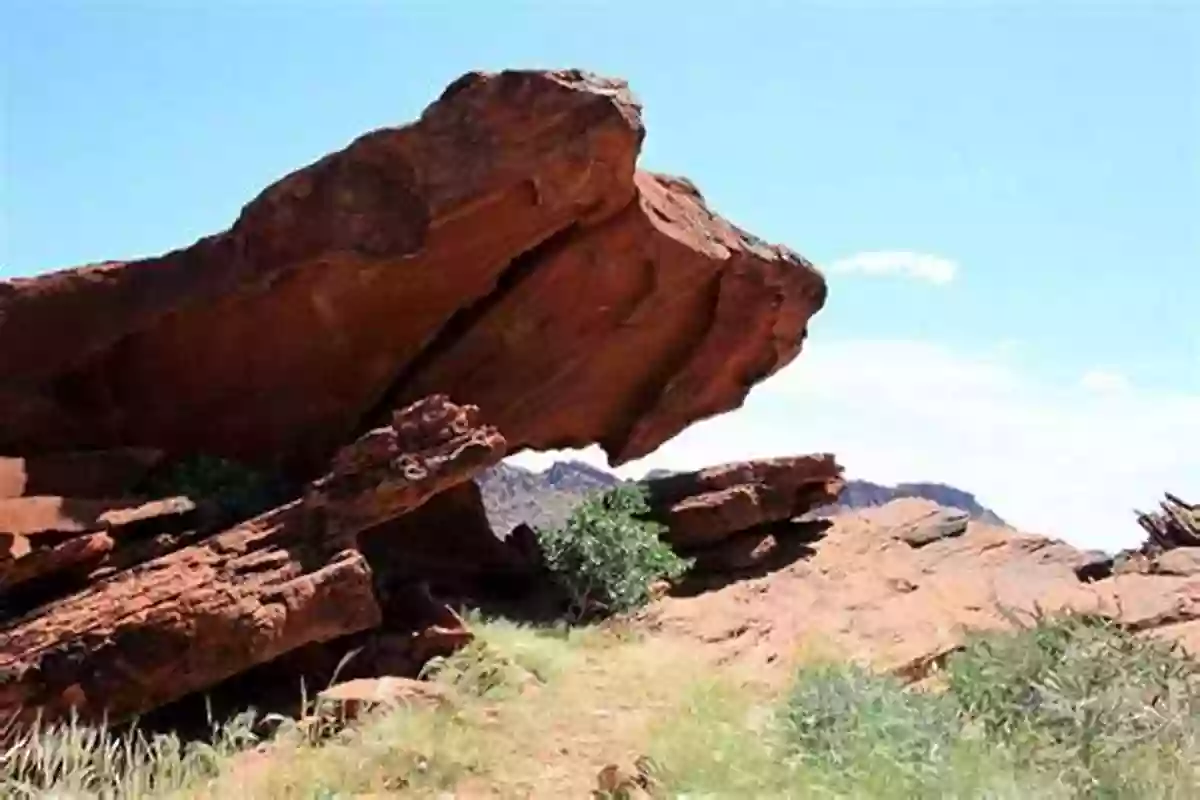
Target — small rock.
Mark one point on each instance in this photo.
(170, 513)
(1182, 561)
(941, 524)
(46, 515)
(349, 700)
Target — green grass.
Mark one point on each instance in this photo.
(1069, 708)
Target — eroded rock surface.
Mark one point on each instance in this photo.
(865, 593)
(195, 615)
(1175, 524)
(501, 249)
(708, 506)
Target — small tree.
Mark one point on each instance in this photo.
(607, 556)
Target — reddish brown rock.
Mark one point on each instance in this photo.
(184, 621)
(928, 522)
(705, 507)
(80, 553)
(740, 551)
(31, 516)
(500, 249)
(38, 568)
(1182, 561)
(864, 594)
(168, 513)
(41, 536)
(1175, 524)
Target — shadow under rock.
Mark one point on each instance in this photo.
(753, 553)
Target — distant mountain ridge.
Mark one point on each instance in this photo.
(863, 494)
(513, 494)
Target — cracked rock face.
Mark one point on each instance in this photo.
(501, 249)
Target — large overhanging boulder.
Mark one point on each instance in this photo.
(502, 250)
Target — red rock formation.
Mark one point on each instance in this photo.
(865, 593)
(500, 249)
(710, 505)
(182, 622)
(1177, 524)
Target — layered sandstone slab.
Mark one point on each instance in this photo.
(501, 249)
(1175, 524)
(710, 505)
(191, 617)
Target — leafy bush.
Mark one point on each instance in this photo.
(607, 556)
(1107, 710)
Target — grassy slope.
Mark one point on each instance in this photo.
(541, 712)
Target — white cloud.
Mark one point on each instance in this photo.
(1101, 380)
(920, 266)
(1055, 458)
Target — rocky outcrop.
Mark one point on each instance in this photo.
(66, 540)
(515, 495)
(867, 593)
(1176, 524)
(191, 617)
(742, 515)
(924, 522)
(501, 249)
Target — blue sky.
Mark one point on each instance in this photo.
(1004, 196)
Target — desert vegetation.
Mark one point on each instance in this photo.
(1068, 706)
(607, 557)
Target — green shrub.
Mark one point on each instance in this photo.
(842, 732)
(1113, 713)
(607, 557)
(1068, 708)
